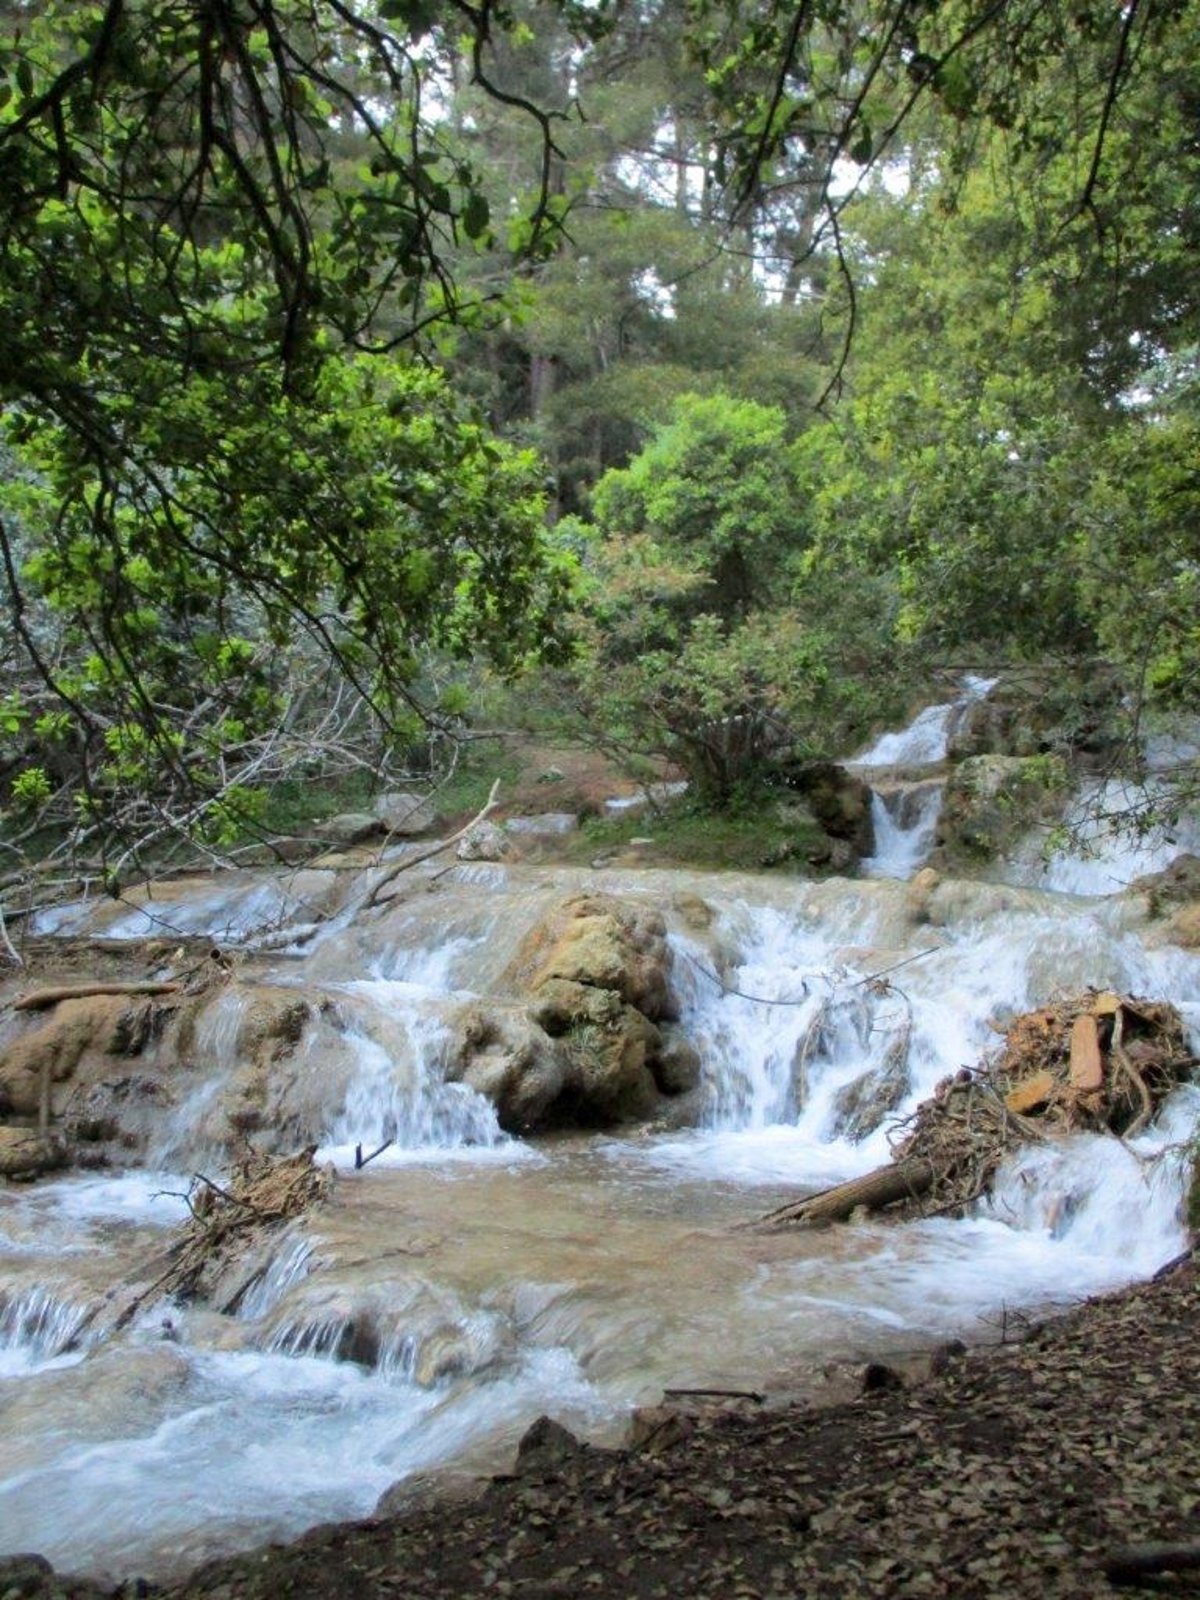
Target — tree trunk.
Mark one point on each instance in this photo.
(900, 1180)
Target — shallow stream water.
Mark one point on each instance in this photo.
(465, 1282)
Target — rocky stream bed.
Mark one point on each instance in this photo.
(352, 1186)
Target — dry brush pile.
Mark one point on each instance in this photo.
(1099, 1062)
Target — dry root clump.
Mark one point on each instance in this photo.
(1099, 1062)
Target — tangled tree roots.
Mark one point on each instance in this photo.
(1100, 1062)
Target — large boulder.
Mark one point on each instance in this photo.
(505, 1056)
(839, 800)
(993, 801)
(584, 1044)
(601, 942)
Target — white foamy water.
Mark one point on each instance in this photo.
(465, 1281)
(905, 828)
(1104, 852)
(904, 818)
(252, 1441)
(926, 739)
(398, 1096)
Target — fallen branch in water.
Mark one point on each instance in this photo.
(227, 1221)
(900, 1180)
(1099, 1062)
(43, 999)
(406, 862)
(360, 1160)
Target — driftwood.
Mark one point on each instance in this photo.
(406, 862)
(43, 999)
(228, 1219)
(899, 1180)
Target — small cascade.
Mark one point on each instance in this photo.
(814, 1046)
(904, 806)
(38, 1326)
(397, 1096)
(187, 1138)
(1104, 849)
(291, 1262)
(904, 819)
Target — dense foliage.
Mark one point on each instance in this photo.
(856, 338)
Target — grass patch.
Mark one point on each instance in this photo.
(748, 839)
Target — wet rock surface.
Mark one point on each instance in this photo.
(1018, 1470)
(587, 1047)
(991, 801)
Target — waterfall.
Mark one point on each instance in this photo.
(39, 1326)
(465, 1282)
(1104, 850)
(905, 807)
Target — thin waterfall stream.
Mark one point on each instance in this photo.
(906, 790)
(469, 1280)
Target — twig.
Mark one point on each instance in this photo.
(406, 862)
(715, 1394)
(6, 943)
(1133, 1562)
(872, 977)
(360, 1160)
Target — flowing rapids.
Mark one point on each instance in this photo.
(464, 1281)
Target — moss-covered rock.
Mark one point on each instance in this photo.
(991, 801)
(1075, 715)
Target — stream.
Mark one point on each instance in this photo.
(466, 1281)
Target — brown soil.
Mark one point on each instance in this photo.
(1017, 1471)
(588, 778)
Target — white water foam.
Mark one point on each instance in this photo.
(926, 739)
(1104, 852)
(289, 1440)
(398, 1096)
(905, 823)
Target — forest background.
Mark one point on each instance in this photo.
(696, 379)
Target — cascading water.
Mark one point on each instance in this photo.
(466, 1281)
(905, 810)
(1105, 849)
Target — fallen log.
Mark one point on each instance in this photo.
(43, 999)
(1135, 1562)
(899, 1180)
